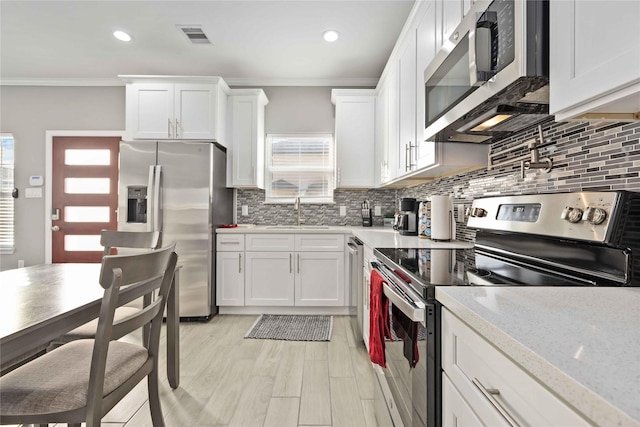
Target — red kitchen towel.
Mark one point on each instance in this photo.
(378, 320)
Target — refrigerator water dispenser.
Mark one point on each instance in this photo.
(137, 204)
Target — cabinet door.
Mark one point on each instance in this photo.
(319, 279)
(150, 111)
(455, 410)
(229, 278)
(594, 52)
(426, 51)
(366, 283)
(246, 141)
(449, 16)
(355, 133)
(269, 278)
(407, 105)
(195, 110)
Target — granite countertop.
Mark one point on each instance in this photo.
(583, 343)
(374, 237)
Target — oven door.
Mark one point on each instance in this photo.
(406, 353)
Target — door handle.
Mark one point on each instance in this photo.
(169, 128)
(290, 263)
(298, 263)
(239, 263)
(55, 228)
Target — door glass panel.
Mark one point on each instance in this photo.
(87, 157)
(86, 213)
(75, 243)
(87, 185)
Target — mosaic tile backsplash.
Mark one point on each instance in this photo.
(586, 156)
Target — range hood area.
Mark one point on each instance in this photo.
(516, 108)
(491, 79)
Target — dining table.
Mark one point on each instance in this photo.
(42, 302)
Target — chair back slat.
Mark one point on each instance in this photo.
(136, 320)
(129, 239)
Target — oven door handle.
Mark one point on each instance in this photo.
(413, 312)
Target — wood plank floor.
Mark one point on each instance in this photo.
(227, 380)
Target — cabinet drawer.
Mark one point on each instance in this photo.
(320, 242)
(270, 242)
(472, 363)
(229, 242)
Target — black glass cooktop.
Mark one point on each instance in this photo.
(426, 268)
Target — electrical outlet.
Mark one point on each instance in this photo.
(20, 263)
(245, 210)
(378, 211)
(343, 211)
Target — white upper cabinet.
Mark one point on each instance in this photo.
(449, 14)
(386, 150)
(355, 137)
(407, 105)
(245, 158)
(176, 108)
(594, 59)
(403, 157)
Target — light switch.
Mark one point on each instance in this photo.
(245, 210)
(33, 192)
(378, 211)
(460, 212)
(343, 211)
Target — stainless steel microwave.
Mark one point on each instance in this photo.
(490, 78)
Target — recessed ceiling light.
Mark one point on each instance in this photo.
(122, 36)
(330, 35)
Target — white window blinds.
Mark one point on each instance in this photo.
(7, 243)
(300, 166)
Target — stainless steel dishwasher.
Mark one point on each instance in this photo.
(356, 256)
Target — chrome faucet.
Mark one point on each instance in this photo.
(297, 207)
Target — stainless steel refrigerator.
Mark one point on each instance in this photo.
(178, 188)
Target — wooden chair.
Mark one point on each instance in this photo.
(82, 380)
(110, 239)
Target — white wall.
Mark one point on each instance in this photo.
(27, 113)
(299, 109)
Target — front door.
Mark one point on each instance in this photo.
(84, 196)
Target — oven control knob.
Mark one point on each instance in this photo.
(572, 214)
(478, 212)
(595, 216)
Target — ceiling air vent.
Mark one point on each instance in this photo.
(195, 34)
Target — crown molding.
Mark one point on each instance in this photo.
(331, 82)
(29, 81)
(231, 81)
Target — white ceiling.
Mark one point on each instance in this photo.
(253, 42)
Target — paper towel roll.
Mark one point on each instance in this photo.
(441, 218)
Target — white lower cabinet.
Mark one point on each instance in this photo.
(230, 278)
(269, 278)
(304, 270)
(455, 410)
(319, 279)
(496, 390)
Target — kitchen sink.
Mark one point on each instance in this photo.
(297, 227)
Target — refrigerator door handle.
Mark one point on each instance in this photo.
(151, 199)
(157, 201)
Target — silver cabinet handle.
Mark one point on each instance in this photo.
(298, 263)
(224, 242)
(290, 263)
(239, 263)
(169, 128)
(177, 128)
(406, 157)
(488, 393)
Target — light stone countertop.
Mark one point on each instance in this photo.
(582, 343)
(374, 237)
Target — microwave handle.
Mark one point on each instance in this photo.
(481, 38)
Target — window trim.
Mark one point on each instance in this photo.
(330, 170)
(8, 250)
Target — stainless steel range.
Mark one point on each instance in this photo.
(562, 239)
(583, 238)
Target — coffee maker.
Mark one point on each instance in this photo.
(408, 217)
